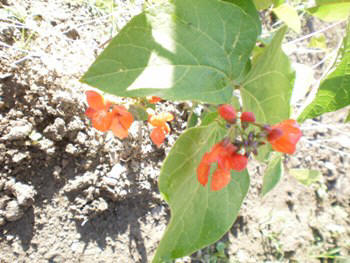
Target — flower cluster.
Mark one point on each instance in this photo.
(161, 128)
(105, 116)
(233, 152)
(227, 158)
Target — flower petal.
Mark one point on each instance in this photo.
(220, 179)
(102, 120)
(203, 170)
(238, 162)
(125, 117)
(157, 136)
(95, 100)
(118, 129)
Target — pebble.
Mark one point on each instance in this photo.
(19, 130)
(13, 211)
(19, 157)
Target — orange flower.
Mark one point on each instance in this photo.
(154, 99)
(284, 136)
(118, 120)
(122, 120)
(228, 159)
(98, 111)
(161, 128)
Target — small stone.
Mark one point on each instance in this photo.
(19, 130)
(57, 130)
(24, 193)
(71, 149)
(13, 211)
(19, 157)
(2, 221)
(75, 124)
(110, 181)
(45, 144)
(116, 171)
(80, 182)
(81, 138)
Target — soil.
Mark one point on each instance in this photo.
(69, 193)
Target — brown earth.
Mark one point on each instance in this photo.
(69, 193)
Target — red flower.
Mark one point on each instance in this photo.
(284, 136)
(118, 120)
(161, 127)
(154, 99)
(247, 117)
(122, 120)
(98, 111)
(227, 112)
(228, 159)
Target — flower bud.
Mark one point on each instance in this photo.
(248, 117)
(227, 112)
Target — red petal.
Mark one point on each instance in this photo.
(157, 136)
(155, 99)
(124, 116)
(274, 134)
(238, 162)
(203, 170)
(95, 100)
(102, 120)
(220, 179)
(291, 135)
(216, 151)
(90, 112)
(118, 129)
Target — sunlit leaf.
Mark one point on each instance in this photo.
(272, 173)
(330, 10)
(179, 50)
(289, 16)
(199, 216)
(318, 42)
(334, 92)
(268, 86)
(305, 176)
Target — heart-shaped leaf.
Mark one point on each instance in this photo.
(267, 88)
(199, 216)
(179, 50)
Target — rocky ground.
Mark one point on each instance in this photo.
(69, 193)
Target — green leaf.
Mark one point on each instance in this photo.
(273, 173)
(333, 93)
(348, 117)
(330, 10)
(199, 216)
(269, 84)
(289, 16)
(138, 112)
(179, 50)
(319, 41)
(263, 4)
(209, 117)
(192, 120)
(305, 176)
(268, 87)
